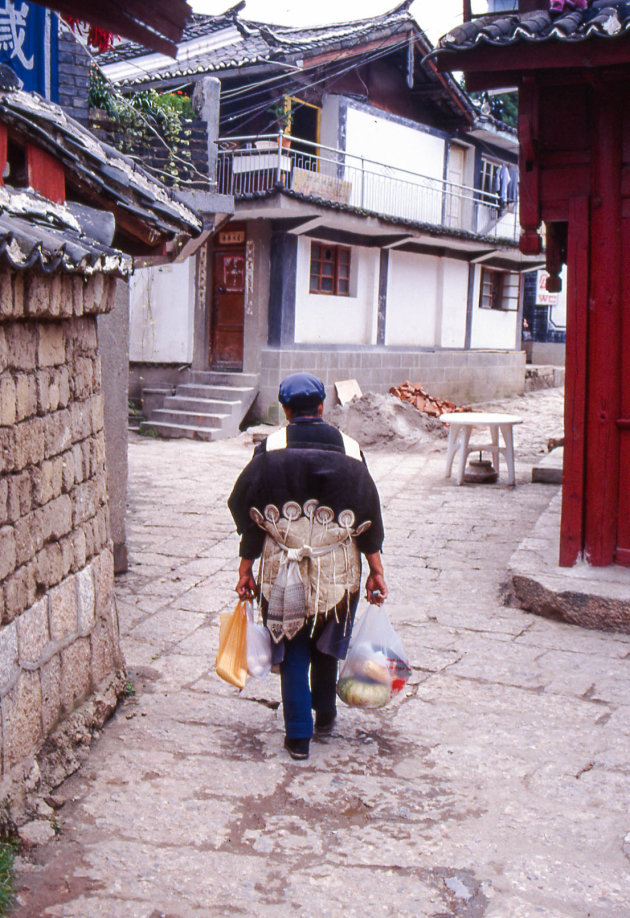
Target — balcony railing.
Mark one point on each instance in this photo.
(253, 165)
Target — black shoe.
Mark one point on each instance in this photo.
(324, 722)
(298, 748)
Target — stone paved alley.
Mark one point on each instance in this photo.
(497, 787)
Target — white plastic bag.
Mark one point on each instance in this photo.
(376, 668)
(258, 647)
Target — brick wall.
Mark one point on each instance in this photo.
(74, 75)
(58, 627)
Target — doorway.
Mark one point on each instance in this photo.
(228, 300)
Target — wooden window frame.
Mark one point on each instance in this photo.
(493, 291)
(340, 259)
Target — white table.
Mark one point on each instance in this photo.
(460, 428)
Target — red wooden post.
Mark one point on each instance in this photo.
(572, 523)
(623, 422)
(604, 357)
(45, 174)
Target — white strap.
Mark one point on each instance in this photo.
(278, 440)
(351, 447)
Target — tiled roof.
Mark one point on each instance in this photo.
(110, 175)
(212, 44)
(35, 233)
(606, 19)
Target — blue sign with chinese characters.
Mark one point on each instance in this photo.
(28, 45)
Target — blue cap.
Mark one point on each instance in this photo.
(301, 390)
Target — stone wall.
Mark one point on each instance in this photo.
(58, 627)
(464, 377)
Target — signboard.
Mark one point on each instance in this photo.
(28, 45)
(231, 237)
(543, 297)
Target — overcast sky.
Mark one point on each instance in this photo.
(435, 17)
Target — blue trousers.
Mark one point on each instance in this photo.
(301, 696)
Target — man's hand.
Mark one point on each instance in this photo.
(246, 586)
(375, 586)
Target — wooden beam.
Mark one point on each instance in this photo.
(3, 151)
(530, 56)
(45, 174)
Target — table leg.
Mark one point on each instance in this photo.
(494, 434)
(463, 453)
(506, 430)
(451, 448)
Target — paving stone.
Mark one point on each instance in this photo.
(495, 788)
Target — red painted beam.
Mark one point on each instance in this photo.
(45, 174)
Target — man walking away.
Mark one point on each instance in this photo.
(307, 506)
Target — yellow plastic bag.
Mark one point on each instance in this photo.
(231, 662)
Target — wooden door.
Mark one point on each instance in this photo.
(228, 309)
(455, 177)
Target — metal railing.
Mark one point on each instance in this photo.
(252, 165)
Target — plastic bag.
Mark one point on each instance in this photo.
(376, 668)
(231, 663)
(258, 647)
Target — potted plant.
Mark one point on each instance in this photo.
(281, 112)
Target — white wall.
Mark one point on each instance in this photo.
(161, 310)
(492, 328)
(454, 303)
(426, 301)
(322, 319)
(400, 147)
(413, 292)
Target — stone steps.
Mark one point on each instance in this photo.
(208, 406)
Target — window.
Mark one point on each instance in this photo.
(330, 269)
(499, 290)
(490, 181)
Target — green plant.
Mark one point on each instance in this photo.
(7, 887)
(129, 689)
(281, 113)
(144, 115)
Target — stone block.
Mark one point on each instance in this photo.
(6, 293)
(81, 420)
(4, 362)
(85, 504)
(21, 343)
(51, 345)
(28, 444)
(8, 551)
(58, 432)
(37, 295)
(4, 500)
(42, 480)
(104, 581)
(80, 472)
(62, 382)
(76, 673)
(104, 653)
(83, 377)
(21, 718)
(20, 495)
(57, 517)
(67, 471)
(49, 565)
(33, 633)
(8, 656)
(98, 415)
(18, 294)
(67, 554)
(20, 590)
(8, 400)
(26, 396)
(51, 693)
(63, 610)
(86, 603)
(78, 288)
(79, 548)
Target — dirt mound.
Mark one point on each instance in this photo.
(376, 420)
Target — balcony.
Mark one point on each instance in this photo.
(255, 165)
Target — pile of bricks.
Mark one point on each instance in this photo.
(428, 404)
(58, 628)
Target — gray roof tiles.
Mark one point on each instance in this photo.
(606, 19)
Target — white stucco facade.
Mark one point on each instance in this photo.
(161, 312)
(324, 319)
(492, 328)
